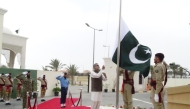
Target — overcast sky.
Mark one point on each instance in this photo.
(56, 28)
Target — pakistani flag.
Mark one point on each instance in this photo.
(133, 55)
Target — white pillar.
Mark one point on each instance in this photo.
(11, 59)
(23, 55)
(136, 81)
(2, 12)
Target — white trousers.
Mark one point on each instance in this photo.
(95, 105)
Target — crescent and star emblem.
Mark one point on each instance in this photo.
(132, 57)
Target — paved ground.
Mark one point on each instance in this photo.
(139, 99)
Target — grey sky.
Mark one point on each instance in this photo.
(56, 28)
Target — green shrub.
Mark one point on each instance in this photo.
(56, 89)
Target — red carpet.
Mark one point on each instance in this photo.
(55, 104)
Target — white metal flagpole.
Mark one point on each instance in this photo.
(118, 60)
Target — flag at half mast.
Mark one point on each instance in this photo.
(133, 55)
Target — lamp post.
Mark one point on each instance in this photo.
(108, 49)
(93, 48)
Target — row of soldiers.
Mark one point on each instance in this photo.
(24, 84)
(158, 75)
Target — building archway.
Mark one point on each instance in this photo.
(15, 45)
(12, 42)
(3, 60)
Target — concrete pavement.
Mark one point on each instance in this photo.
(139, 99)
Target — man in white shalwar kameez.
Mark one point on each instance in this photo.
(97, 76)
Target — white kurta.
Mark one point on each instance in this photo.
(97, 96)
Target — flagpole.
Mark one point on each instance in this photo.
(118, 59)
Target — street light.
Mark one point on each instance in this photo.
(108, 49)
(92, 27)
(93, 48)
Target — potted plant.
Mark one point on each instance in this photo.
(56, 90)
(35, 85)
(106, 87)
(114, 83)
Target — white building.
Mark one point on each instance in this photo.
(11, 45)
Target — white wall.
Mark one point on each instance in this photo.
(172, 82)
(110, 70)
(51, 81)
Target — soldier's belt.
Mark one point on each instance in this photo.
(19, 86)
(43, 86)
(131, 83)
(8, 85)
(1, 88)
(2, 84)
(8, 88)
(153, 83)
(125, 81)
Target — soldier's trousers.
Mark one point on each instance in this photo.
(7, 94)
(43, 92)
(18, 93)
(157, 105)
(2, 93)
(24, 99)
(127, 97)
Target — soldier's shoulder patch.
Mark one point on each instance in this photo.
(156, 71)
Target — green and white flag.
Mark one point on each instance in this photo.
(133, 55)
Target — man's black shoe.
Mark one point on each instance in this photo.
(18, 99)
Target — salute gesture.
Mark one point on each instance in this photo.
(103, 67)
(24, 73)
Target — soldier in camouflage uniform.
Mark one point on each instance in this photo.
(28, 86)
(8, 88)
(2, 85)
(19, 88)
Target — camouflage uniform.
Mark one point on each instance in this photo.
(2, 85)
(8, 88)
(19, 88)
(28, 86)
(43, 87)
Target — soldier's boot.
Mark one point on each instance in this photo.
(42, 100)
(18, 99)
(7, 103)
(1, 100)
